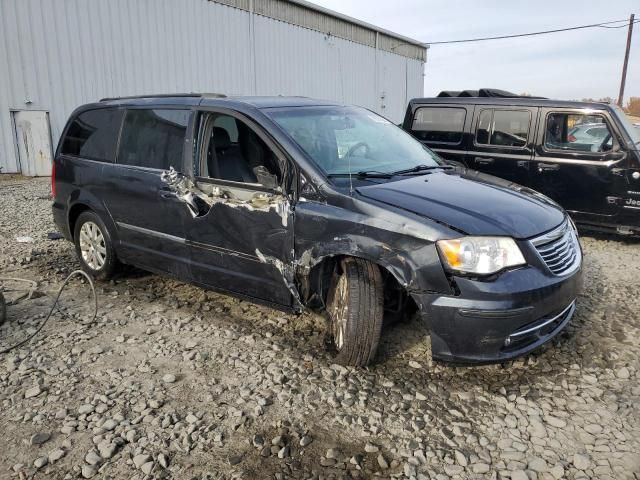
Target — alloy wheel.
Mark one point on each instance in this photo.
(92, 246)
(340, 311)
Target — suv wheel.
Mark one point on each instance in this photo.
(355, 307)
(94, 247)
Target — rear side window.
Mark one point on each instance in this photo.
(153, 138)
(504, 128)
(577, 133)
(439, 124)
(93, 134)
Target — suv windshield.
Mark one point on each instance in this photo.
(633, 132)
(341, 140)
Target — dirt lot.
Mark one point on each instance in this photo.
(171, 381)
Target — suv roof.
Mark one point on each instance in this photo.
(213, 98)
(522, 101)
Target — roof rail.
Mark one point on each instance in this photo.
(483, 92)
(165, 95)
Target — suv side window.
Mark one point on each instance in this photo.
(503, 128)
(93, 135)
(439, 124)
(576, 132)
(153, 138)
(232, 151)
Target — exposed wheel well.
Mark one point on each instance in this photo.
(397, 301)
(74, 213)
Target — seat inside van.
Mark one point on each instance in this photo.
(235, 151)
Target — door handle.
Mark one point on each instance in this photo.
(548, 167)
(484, 160)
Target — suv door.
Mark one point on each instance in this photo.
(503, 141)
(580, 170)
(242, 238)
(149, 218)
(442, 128)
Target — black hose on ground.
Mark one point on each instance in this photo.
(3, 309)
(53, 306)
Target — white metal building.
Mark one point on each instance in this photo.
(58, 54)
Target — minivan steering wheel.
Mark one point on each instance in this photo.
(355, 147)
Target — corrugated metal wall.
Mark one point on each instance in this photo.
(56, 55)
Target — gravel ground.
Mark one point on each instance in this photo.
(171, 381)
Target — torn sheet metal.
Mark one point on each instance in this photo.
(200, 197)
(185, 189)
(239, 239)
(288, 274)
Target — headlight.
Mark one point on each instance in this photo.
(480, 255)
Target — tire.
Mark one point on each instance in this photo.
(355, 308)
(94, 246)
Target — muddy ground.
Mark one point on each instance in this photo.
(171, 381)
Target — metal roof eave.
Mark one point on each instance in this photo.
(347, 18)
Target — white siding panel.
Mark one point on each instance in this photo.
(57, 55)
(8, 160)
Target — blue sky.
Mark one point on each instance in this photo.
(569, 65)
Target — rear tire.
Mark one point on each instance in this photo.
(94, 246)
(355, 308)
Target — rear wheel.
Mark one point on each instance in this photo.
(94, 247)
(355, 308)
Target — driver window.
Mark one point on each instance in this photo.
(578, 133)
(232, 151)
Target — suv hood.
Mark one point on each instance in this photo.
(472, 202)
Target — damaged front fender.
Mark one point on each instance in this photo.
(399, 246)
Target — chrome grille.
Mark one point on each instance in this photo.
(559, 249)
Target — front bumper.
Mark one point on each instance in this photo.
(497, 320)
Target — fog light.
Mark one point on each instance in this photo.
(507, 342)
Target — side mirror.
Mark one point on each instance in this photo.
(266, 178)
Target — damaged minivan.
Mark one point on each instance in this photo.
(299, 203)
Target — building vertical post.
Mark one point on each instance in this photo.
(376, 81)
(252, 54)
(626, 61)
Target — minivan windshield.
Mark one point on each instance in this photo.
(343, 140)
(633, 132)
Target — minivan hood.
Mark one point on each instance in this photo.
(472, 202)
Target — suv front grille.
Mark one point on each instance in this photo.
(559, 249)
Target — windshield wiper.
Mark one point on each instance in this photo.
(421, 168)
(378, 174)
(373, 174)
(363, 174)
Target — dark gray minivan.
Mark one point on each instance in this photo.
(301, 203)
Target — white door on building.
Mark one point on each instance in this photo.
(33, 138)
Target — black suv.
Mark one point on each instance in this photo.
(301, 203)
(585, 156)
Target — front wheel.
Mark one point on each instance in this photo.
(94, 246)
(355, 308)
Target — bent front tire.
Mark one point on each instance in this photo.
(355, 308)
(94, 246)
